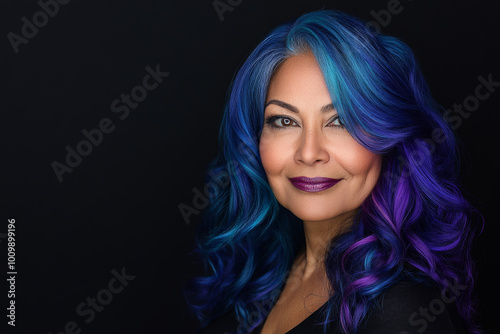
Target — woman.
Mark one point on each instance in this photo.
(340, 212)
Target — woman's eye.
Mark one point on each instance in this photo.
(337, 122)
(279, 121)
(285, 121)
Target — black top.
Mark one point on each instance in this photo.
(407, 308)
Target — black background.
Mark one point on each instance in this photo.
(119, 207)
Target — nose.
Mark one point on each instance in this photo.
(312, 148)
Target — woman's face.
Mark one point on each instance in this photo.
(309, 141)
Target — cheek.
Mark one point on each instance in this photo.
(358, 161)
(272, 155)
(273, 162)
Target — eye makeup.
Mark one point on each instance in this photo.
(271, 121)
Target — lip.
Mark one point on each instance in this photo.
(314, 184)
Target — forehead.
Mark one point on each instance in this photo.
(299, 81)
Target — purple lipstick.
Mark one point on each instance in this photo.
(314, 184)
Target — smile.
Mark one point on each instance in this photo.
(312, 184)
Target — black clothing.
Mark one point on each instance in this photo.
(407, 308)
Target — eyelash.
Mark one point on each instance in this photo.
(271, 119)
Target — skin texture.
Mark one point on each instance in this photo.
(312, 143)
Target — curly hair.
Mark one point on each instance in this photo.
(415, 224)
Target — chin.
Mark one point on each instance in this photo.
(309, 214)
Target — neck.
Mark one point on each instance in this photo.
(318, 235)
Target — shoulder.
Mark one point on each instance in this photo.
(411, 307)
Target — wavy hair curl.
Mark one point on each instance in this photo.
(416, 223)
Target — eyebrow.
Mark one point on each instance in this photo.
(294, 109)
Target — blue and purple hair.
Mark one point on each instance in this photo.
(415, 223)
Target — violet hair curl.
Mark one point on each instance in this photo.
(415, 224)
